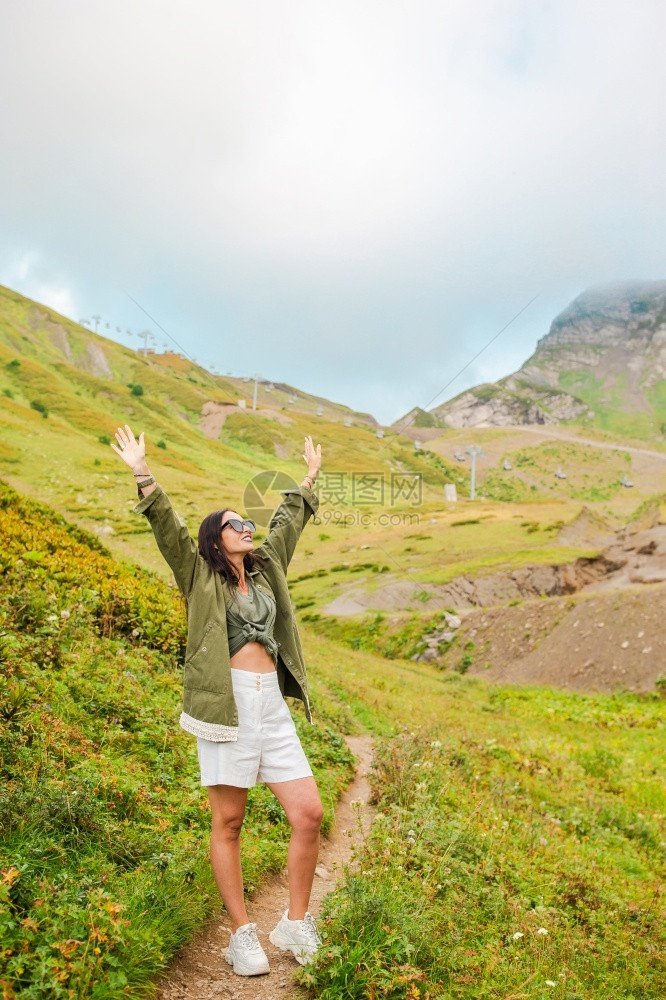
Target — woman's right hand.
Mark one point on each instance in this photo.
(132, 452)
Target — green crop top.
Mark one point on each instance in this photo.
(250, 618)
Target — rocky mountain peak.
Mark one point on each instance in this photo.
(602, 362)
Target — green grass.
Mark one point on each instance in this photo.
(593, 474)
(501, 811)
(613, 407)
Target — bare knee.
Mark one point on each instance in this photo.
(227, 805)
(308, 818)
(227, 828)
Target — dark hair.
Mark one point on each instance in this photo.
(210, 547)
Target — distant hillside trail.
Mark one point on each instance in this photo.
(595, 444)
(200, 971)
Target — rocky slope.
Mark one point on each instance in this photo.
(602, 363)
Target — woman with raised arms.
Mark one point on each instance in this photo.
(243, 656)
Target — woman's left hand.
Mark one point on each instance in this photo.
(312, 456)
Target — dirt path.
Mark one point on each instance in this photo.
(200, 972)
(607, 445)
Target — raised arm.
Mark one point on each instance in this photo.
(173, 539)
(292, 515)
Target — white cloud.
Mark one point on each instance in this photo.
(26, 274)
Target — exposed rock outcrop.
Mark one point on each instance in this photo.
(95, 361)
(605, 351)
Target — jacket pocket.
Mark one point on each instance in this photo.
(205, 667)
(202, 646)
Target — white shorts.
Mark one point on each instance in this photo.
(268, 748)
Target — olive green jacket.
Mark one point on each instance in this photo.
(209, 708)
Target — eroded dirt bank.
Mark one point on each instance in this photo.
(633, 557)
(596, 642)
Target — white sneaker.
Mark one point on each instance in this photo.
(245, 953)
(300, 937)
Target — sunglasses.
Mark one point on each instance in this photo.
(240, 525)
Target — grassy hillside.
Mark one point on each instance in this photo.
(63, 390)
(594, 462)
(104, 866)
(519, 846)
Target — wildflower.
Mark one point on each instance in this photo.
(542, 930)
(410, 833)
(64, 614)
(52, 618)
(549, 982)
(517, 935)
(435, 743)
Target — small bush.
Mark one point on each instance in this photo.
(104, 439)
(161, 444)
(14, 365)
(135, 389)
(37, 404)
(465, 663)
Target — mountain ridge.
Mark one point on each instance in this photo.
(601, 364)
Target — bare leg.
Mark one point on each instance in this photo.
(300, 800)
(227, 805)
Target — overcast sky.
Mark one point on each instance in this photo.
(353, 197)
